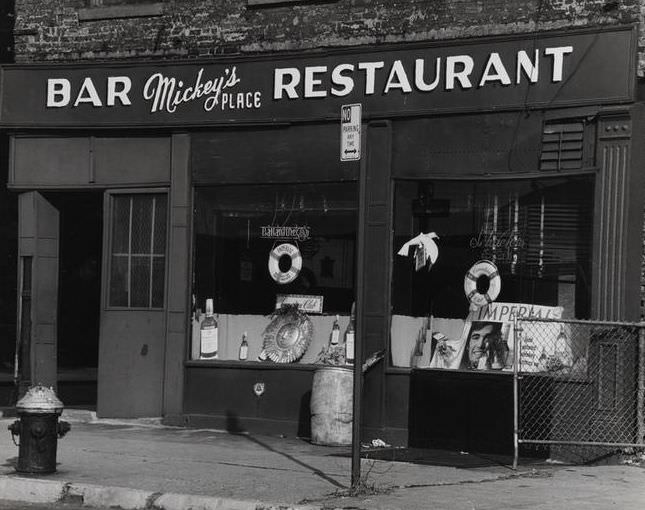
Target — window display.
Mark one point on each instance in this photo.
(278, 262)
(505, 247)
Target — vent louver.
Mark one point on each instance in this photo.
(562, 146)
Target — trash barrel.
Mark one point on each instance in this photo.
(331, 406)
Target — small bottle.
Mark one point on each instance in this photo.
(429, 331)
(208, 340)
(244, 348)
(349, 341)
(335, 332)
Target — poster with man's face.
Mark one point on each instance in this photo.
(486, 347)
(486, 341)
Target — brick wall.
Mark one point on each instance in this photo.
(51, 29)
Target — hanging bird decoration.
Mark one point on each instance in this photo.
(426, 250)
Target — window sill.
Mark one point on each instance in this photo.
(251, 365)
(120, 11)
(409, 370)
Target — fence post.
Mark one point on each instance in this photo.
(640, 398)
(516, 410)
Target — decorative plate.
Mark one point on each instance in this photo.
(288, 335)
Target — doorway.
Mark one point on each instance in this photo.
(79, 295)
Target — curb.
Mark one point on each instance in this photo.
(34, 490)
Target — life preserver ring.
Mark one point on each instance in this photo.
(482, 268)
(283, 277)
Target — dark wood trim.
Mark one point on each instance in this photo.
(374, 266)
(613, 153)
(177, 274)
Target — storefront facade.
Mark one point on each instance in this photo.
(187, 177)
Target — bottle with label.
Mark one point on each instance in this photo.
(244, 348)
(208, 340)
(349, 340)
(335, 332)
(563, 348)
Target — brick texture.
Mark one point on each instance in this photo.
(50, 30)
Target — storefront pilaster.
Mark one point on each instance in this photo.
(178, 275)
(617, 216)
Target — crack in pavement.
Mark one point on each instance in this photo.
(390, 488)
(501, 478)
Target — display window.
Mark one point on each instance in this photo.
(276, 264)
(491, 249)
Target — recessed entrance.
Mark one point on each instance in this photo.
(79, 295)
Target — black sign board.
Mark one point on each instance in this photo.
(538, 71)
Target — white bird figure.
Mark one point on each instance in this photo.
(425, 243)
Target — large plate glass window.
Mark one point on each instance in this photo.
(537, 233)
(256, 245)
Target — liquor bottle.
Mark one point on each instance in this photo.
(208, 340)
(349, 340)
(562, 349)
(335, 332)
(244, 348)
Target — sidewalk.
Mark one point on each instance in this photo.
(137, 464)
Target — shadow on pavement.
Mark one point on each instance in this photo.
(233, 426)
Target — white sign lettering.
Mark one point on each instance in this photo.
(452, 71)
(59, 92)
(167, 93)
(223, 90)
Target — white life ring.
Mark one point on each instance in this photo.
(482, 268)
(283, 277)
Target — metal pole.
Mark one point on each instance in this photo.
(516, 421)
(358, 341)
(640, 398)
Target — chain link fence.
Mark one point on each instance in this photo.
(579, 382)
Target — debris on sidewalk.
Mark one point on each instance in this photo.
(376, 443)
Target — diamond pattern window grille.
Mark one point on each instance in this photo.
(138, 252)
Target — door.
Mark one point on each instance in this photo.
(38, 247)
(132, 330)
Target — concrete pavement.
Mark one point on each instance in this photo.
(140, 464)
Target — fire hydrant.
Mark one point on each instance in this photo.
(38, 429)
